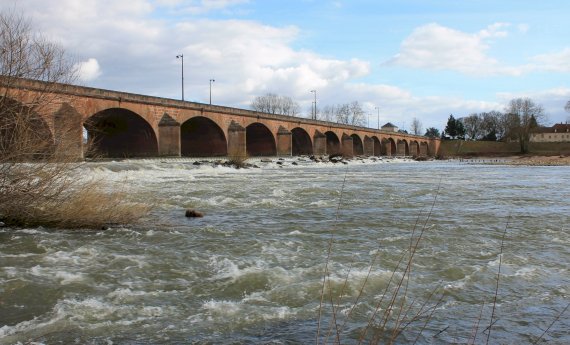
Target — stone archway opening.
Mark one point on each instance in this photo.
(377, 146)
(403, 148)
(357, 146)
(121, 133)
(202, 137)
(301, 142)
(259, 141)
(333, 143)
(389, 147)
(24, 134)
(414, 148)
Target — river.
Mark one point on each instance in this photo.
(251, 271)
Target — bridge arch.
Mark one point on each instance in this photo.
(120, 133)
(333, 143)
(414, 148)
(403, 148)
(202, 137)
(259, 140)
(21, 124)
(301, 142)
(357, 146)
(377, 146)
(389, 147)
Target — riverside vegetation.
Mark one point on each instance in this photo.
(39, 174)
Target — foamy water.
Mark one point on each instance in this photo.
(251, 270)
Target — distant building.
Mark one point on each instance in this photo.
(390, 127)
(560, 132)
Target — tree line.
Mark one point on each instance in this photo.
(520, 118)
(346, 113)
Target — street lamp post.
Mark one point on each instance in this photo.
(181, 57)
(211, 81)
(315, 103)
(378, 108)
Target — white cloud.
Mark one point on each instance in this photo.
(523, 28)
(88, 70)
(201, 6)
(437, 47)
(494, 30)
(555, 62)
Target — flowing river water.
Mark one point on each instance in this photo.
(251, 271)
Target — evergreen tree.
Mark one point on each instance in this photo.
(432, 132)
(451, 127)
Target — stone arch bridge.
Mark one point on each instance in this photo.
(131, 125)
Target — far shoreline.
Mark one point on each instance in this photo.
(522, 160)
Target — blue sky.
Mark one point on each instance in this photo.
(411, 58)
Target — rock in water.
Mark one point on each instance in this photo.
(194, 214)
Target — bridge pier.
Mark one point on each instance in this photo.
(368, 146)
(347, 146)
(168, 136)
(236, 140)
(319, 144)
(284, 142)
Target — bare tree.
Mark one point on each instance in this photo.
(567, 106)
(290, 107)
(523, 115)
(473, 126)
(357, 114)
(274, 104)
(39, 180)
(417, 127)
(343, 114)
(349, 114)
(328, 113)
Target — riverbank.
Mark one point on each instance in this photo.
(528, 160)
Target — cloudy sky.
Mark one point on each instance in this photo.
(411, 58)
